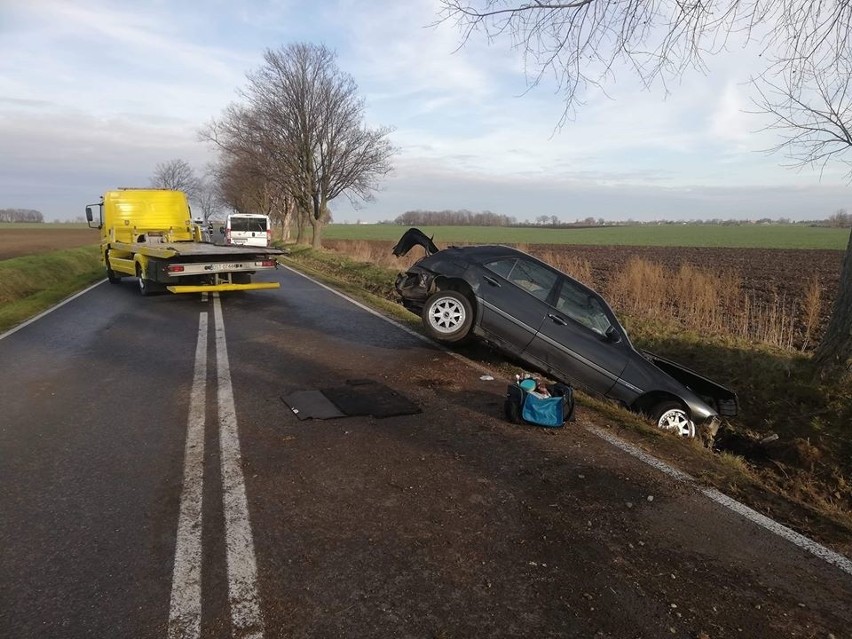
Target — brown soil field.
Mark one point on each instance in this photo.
(766, 272)
(29, 241)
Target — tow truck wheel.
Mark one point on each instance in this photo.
(111, 276)
(144, 285)
(672, 417)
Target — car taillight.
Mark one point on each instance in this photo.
(267, 263)
(268, 235)
(227, 236)
(174, 268)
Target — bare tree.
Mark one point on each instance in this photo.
(812, 113)
(303, 123)
(581, 43)
(176, 175)
(208, 199)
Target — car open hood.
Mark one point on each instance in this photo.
(411, 238)
(724, 398)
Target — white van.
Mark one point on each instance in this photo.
(248, 229)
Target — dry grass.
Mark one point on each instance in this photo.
(707, 301)
(376, 253)
(811, 309)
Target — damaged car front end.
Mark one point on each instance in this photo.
(555, 324)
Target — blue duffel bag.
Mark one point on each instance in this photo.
(522, 406)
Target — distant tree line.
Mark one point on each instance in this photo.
(461, 217)
(21, 215)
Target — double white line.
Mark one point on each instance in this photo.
(185, 610)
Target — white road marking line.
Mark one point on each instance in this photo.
(243, 595)
(721, 498)
(826, 554)
(185, 608)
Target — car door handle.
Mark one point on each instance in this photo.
(557, 320)
(491, 281)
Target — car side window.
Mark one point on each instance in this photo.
(582, 307)
(532, 277)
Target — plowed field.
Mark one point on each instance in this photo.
(18, 242)
(766, 272)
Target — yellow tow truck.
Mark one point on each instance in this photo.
(149, 234)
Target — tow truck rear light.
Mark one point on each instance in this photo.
(268, 263)
(174, 268)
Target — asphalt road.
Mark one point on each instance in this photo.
(154, 484)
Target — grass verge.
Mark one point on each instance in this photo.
(30, 285)
(802, 479)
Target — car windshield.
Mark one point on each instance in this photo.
(248, 224)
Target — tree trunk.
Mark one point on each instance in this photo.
(318, 208)
(316, 243)
(835, 350)
(300, 225)
(286, 225)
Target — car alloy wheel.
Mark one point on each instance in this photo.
(673, 418)
(447, 316)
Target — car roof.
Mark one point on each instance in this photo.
(486, 251)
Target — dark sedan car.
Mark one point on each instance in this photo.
(555, 324)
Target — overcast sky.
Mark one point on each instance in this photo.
(95, 93)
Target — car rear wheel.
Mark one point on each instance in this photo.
(672, 417)
(448, 316)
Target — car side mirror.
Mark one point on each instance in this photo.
(221, 229)
(89, 215)
(612, 335)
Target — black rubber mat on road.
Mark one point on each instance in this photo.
(367, 397)
(311, 404)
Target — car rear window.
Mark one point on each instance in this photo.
(532, 277)
(247, 225)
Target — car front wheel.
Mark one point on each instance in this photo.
(672, 417)
(448, 316)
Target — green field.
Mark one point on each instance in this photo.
(780, 236)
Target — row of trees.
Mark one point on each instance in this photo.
(21, 215)
(840, 219)
(461, 217)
